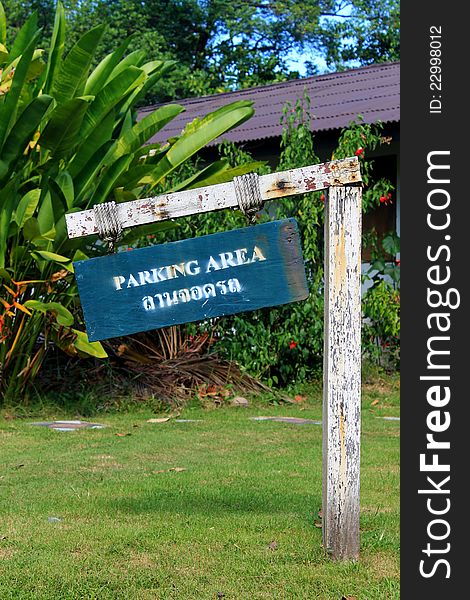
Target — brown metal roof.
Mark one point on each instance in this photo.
(336, 99)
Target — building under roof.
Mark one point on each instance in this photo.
(336, 100)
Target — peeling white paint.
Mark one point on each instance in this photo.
(342, 373)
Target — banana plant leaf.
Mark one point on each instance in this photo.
(71, 79)
(9, 107)
(62, 132)
(199, 133)
(100, 75)
(24, 36)
(57, 49)
(23, 131)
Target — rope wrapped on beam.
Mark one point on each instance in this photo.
(248, 194)
(108, 224)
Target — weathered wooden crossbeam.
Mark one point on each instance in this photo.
(220, 196)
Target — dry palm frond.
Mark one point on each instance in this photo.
(172, 365)
(179, 378)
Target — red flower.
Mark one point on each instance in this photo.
(386, 199)
(359, 152)
(130, 248)
(322, 197)
(292, 345)
(397, 262)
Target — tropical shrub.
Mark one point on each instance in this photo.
(284, 344)
(381, 305)
(69, 139)
(381, 327)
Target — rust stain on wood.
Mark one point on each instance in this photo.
(280, 188)
(310, 183)
(161, 214)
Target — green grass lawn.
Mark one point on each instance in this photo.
(220, 508)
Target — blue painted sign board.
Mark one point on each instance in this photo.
(192, 280)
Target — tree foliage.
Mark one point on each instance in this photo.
(363, 32)
(222, 45)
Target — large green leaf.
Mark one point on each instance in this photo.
(30, 229)
(94, 142)
(133, 59)
(65, 182)
(136, 176)
(150, 153)
(200, 132)
(3, 25)
(125, 145)
(3, 54)
(99, 77)
(51, 215)
(87, 180)
(155, 75)
(63, 261)
(91, 348)
(133, 139)
(73, 73)
(52, 256)
(46, 218)
(211, 170)
(27, 206)
(112, 93)
(62, 315)
(57, 48)
(9, 107)
(225, 175)
(7, 206)
(62, 131)
(155, 71)
(109, 178)
(23, 131)
(24, 36)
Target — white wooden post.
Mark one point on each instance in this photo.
(342, 372)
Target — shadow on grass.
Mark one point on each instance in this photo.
(225, 501)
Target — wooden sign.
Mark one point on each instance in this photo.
(192, 280)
